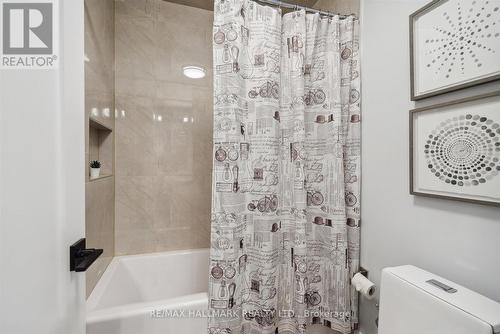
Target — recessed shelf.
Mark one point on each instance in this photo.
(100, 177)
(101, 147)
(96, 124)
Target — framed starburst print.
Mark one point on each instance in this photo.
(455, 150)
(454, 44)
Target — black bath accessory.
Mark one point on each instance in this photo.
(81, 258)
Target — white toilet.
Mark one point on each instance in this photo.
(414, 301)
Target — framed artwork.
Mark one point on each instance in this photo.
(455, 150)
(454, 44)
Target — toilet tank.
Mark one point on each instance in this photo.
(414, 301)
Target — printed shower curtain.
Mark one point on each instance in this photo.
(286, 171)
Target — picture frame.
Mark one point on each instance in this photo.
(450, 50)
(454, 150)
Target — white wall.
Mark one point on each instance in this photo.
(458, 241)
(42, 192)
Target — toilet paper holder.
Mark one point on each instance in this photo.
(362, 284)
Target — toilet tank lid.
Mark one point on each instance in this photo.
(467, 300)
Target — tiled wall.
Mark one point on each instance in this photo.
(163, 127)
(339, 6)
(99, 104)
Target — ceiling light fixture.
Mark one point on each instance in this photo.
(193, 72)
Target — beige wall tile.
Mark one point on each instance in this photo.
(96, 270)
(345, 7)
(135, 46)
(135, 204)
(133, 86)
(106, 151)
(99, 212)
(99, 46)
(136, 8)
(93, 144)
(163, 127)
(99, 225)
(178, 45)
(135, 128)
(180, 14)
(99, 104)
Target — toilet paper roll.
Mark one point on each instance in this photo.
(363, 285)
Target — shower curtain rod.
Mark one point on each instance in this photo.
(278, 3)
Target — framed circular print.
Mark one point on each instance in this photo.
(455, 150)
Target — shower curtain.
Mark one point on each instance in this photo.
(286, 170)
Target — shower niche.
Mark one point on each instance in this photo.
(101, 147)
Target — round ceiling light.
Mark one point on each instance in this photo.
(193, 72)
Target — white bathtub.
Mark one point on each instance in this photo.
(135, 290)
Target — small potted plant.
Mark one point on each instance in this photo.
(95, 169)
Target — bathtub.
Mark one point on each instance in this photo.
(135, 291)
